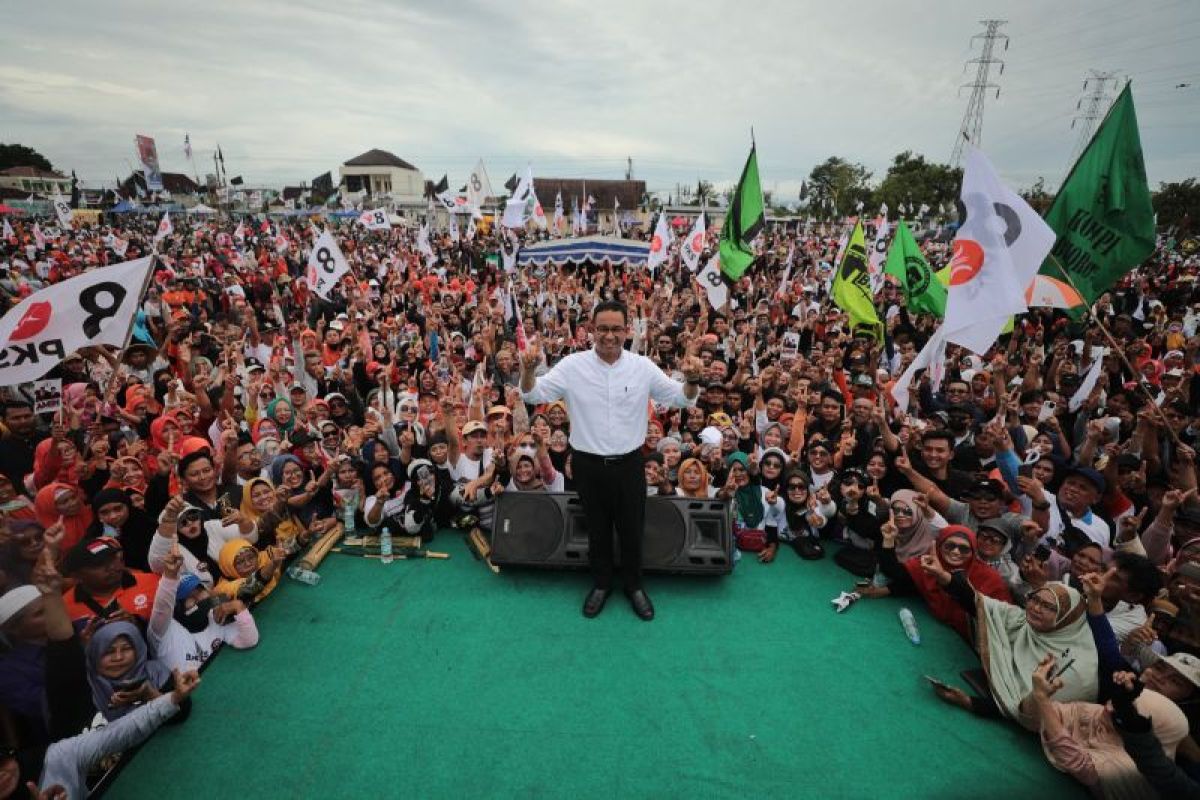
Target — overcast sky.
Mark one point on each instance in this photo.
(290, 89)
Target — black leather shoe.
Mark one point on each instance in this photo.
(594, 603)
(641, 604)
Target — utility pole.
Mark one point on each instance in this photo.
(971, 129)
(629, 168)
(1097, 103)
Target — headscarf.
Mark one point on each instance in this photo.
(247, 507)
(534, 484)
(75, 527)
(688, 463)
(233, 581)
(1090, 727)
(277, 465)
(776, 454)
(135, 535)
(983, 579)
(749, 498)
(272, 406)
(1011, 649)
(46, 450)
(143, 668)
(914, 540)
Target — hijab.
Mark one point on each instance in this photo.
(914, 540)
(135, 535)
(75, 527)
(273, 406)
(1090, 727)
(247, 506)
(777, 455)
(688, 463)
(143, 669)
(748, 498)
(1011, 649)
(47, 450)
(983, 579)
(233, 581)
(535, 483)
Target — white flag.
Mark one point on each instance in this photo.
(693, 246)
(879, 251)
(326, 265)
(538, 215)
(453, 230)
(375, 220)
(39, 238)
(423, 246)
(471, 229)
(932, 358)
(660, 243)
(94, 308)
(119, 246)
(62, 210)
(787, 273)
(517, 209)
(165, 228)
(997, 252)
(558, 212)
(710, 278)
(479, 188)
(508, 250)
(8, 230)
(1089, 383)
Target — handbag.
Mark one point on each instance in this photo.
(751, 540)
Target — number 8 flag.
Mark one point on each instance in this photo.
(375, 219)
(714, 284)
(326, 265)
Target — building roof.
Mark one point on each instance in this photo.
(31, 172)
(379, 158)
(292, 192)
(628, 193)
(173, 182)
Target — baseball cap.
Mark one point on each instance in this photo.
(499, 410)
(987, 487)
(720, 419)
(91, 553)
(473, 426)
(187, 584)
(1092, 476)
(864, 380)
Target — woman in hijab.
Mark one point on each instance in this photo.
(54, 461)
(273, 518)
(951, 556)
(758, 511)
(916, 531)
(249, 574)
(117, 517)
(120, 671)
(281, 412)
(804, 515)
(771, 465)
(61, 500)
(693, 480)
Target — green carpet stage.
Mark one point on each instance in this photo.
(438, 679)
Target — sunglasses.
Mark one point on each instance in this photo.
(957, 547)
(902, 511)
(795, 487)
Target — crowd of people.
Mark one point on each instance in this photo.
(1058, 535)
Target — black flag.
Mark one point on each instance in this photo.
(511, 183)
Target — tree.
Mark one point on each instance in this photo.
(1037, 196)
(839, 183)
(704, 192)
(1178, 204)
(912, 180)
(18, 155)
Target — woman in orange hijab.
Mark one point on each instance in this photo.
(61, 500)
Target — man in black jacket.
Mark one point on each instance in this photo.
(16, 449)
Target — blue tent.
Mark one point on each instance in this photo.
(123, 207)
(623, 252)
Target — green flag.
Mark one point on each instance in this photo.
(1102, 214)
(852, 286)
(743, 221)
(906, 263)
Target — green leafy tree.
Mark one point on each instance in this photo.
(912, 180)
(1037, 196)
(1178, 204)
(18, 155)
(704, 192)
(840, 185)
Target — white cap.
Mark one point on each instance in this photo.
(1186, 665)
(14, 601)
(711, 435)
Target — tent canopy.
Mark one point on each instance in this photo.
(201, 209)
(624, 252)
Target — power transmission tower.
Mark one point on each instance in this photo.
(1097, 103)
(971, 129)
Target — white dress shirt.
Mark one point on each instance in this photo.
(608, 403)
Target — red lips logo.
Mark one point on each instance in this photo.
(33, 322)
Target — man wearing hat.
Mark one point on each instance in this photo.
(608, 390)
(1081, 489)
(103, 585)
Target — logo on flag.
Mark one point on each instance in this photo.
(966, 261)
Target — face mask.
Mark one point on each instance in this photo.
(195, 619)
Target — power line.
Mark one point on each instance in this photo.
(1096, 100)
(971, 129)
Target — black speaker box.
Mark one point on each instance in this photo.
(548, 529)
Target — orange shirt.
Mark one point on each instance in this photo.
(136, 596)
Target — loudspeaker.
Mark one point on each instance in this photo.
(548, 529)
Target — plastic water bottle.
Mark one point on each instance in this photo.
(879, 580)
(299, 573)
(910, 626)
(348, 510)
(385, 545)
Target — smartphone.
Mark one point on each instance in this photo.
(128, 686)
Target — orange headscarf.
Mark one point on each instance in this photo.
(75, 527)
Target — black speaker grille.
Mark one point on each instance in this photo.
(530, 530)
(665, 534)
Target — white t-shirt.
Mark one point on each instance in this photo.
(468, 469)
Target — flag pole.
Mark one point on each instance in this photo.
(1117, 349)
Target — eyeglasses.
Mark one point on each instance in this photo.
(902, 511)
(1044, 605)
(795, 487)
(957, 547)
(610, 329)
(818, 451)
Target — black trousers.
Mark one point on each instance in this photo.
(613, 493)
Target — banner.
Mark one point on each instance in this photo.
(693, 246)
(714, 284)
(326, 265)
(47, 396)
(906, 263)
(660, 244)
(479, 188)
(375, 220)
(97, 307)
(852, 286)
(62, 210)
(148, 156)
(165, 228)
(1102, 214)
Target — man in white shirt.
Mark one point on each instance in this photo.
(608, 390)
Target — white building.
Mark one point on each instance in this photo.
(380, 173)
